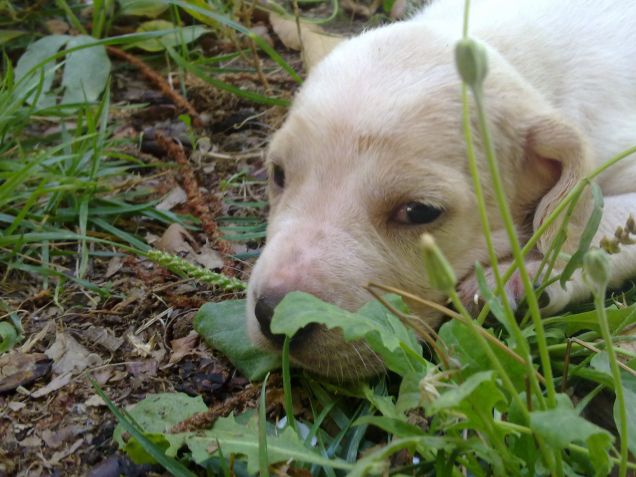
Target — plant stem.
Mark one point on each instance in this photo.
(481, 202)
(599, 302)
(506, 216)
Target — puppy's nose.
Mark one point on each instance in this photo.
(264, 311)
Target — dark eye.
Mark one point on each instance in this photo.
(278, 175)
(416, 213)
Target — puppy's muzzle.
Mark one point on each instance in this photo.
(264, 311)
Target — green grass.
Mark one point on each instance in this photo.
(496, 399)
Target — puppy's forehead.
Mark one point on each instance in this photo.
(374, 94)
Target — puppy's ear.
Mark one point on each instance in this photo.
(561, 154)
(314, 42)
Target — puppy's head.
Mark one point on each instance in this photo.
(371, 156)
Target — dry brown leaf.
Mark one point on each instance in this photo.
(54, 385)
(95, 401)
(176, 196)
(178, 241)
(315, 42)
(183, 347)
(69, 355)
(58, 456)
(104, 337)
(114, 265)
(16, 406)
(145, 368)
(31, 441)
(56, 438)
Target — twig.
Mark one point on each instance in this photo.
(205, 420)
(195, 201)
(593, 348)
(158, 80)
(566, 366)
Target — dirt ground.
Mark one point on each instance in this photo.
(138, 340)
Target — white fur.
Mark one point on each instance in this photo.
(378, 124)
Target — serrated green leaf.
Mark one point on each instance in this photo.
(409, 396)
(496, 307)
(384, 332)
(137, 453)
(86, 71)
(459, 398)
(223, 326)
(562, 426)
(173, 466)
(588, 320)
(243, 439)
(397, 427)
(463, 346)
(159, 412)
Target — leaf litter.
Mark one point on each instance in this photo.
(54, 422)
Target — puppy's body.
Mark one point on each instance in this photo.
(372, 155)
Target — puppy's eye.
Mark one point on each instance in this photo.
(416, 213)
(278, 176)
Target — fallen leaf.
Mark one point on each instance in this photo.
(56, 438)
(58, 456)
(143, 368)
(262, 31)
(16, 406)
(49, 327)
(69, 355)
(208, 258)
(178, 241)
(316, 43)
(141, 347)
(95, 401)
(20, 369)
(104, 337)
(54, 385)
(103, 375)
(56, 27)
(114, 265)
(360, 9)
(175, 197)
(175, 240)
(183, 347)
(31, 441)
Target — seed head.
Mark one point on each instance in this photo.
(471, 61)
(440, 273)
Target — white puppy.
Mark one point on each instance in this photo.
(372, 155)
